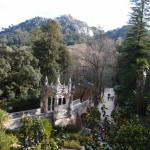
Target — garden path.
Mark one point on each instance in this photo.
(109, 103)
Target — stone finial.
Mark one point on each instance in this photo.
(46, 81)
(58, 78)
(69, 84)
(70, 80)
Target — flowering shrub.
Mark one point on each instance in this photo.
(129, 134)
(34, 132)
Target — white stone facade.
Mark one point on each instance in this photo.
(56, 97)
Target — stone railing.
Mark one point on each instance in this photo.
(80, 106)
(77, 101)
(15, 122)
(85, 103)
(31, 112)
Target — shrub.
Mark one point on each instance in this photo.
(129, 134)
(72, 144)
(23, 104)
(34, 131)
(70, 128)
(74, 136)
(93, 117)
(57, 129)
(4, 118)
(7, 140)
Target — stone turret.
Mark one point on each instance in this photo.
(46, 81)
(58, 78)
(69, 85)
(56, 97)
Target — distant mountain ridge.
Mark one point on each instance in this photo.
(74, 31)
(119, 32)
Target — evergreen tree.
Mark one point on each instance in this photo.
(49, 50)
(19, 75)
(134, 59)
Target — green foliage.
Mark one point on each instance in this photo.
(19, 75)
(34, 132)
(129, 134)
(125, 111)
(119, 32)
(74, 31)
(134, 59)
(93, 117)
(25, 104)
(7, 141)
(4, 118)
(84, 137)
(121, 134)
(19, 35)
(70, 128)
(51, 53)
(72, 144)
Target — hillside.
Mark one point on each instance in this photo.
(73, 31)
(119, 32)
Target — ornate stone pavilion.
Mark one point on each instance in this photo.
(56, 97)
(57, 105)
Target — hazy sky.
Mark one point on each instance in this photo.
(109, 14)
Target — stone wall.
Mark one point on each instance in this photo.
(65, 121)
(31, 112)
(60, 117)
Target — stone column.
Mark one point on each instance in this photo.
(51, 104)
(56, 103)
(44, 105)
(69, 85)
(71, 101)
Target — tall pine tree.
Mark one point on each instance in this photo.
(134, 59)
(47, 47)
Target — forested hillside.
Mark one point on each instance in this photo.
(73, 32)
(119, 32)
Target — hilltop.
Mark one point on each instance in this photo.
(73, 31)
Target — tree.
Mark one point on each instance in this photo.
(48, 49)
(134, 59)
(19, 75)
(98, 64)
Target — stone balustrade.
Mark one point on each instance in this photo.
(31, 112)
(78, 108)
(75, 102)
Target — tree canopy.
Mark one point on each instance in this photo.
(134, 60)
(49, 50)
(19, 74)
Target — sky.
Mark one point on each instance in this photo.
(108, 14)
